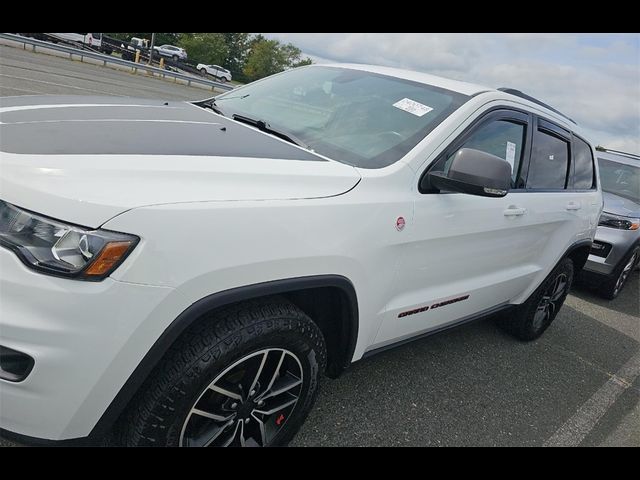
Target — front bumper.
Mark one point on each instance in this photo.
(86, 339)
(620, 240)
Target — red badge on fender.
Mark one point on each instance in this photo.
(400, 223)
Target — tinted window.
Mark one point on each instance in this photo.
(620, 179)
(583, 159)
(352, 116)
(549, 161)
(502, 138)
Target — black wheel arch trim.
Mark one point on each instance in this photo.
(580, 244)
(213, 301)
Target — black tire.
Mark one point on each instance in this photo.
(615, 282)
(528, 321)
(203, 71)
(174, 58)
(223, 80)
(160, 411)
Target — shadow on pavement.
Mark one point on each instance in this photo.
(470, 386)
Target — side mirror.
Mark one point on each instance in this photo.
(476, 173)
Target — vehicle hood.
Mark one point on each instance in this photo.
(87, 159)
(620, 205)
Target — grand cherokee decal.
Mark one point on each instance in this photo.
(435, 305)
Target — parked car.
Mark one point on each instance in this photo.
(221, 74)
(616, 249)
(259, 239)
(171, 51)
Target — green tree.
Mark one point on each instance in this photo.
(238, 45)
(206, 48)
(270, 56)
(303, 62)
(263, 60)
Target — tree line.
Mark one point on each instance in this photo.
(247, 56)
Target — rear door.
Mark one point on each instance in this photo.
(466, 254)
(560, 202)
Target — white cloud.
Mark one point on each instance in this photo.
(595, 79)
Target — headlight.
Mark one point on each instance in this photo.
(616, 221)
(61, 249)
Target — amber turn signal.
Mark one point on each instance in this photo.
(108, 258)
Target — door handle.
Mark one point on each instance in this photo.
(574, 206)
(514, 211)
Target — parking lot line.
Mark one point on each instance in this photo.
(574, 430)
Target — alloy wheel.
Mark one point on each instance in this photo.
(247, 404)
(622, 278)
(549, 303)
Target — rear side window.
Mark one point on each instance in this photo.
(549, 161)
(583, 159)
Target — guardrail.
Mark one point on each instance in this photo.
(113, 60)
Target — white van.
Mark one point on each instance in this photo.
(93, 40)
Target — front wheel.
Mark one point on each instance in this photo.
(529, 320)
(246, 376)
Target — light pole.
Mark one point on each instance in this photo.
(153, 40)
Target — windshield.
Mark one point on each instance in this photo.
(359, 118)
(620, 179)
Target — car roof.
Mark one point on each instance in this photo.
(466, 88)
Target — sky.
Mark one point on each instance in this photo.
(593, 78)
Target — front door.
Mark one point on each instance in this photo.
(466, 254)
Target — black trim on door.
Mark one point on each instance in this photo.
(456, 323)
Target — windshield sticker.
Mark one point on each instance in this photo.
(511, 154)
(413, 107)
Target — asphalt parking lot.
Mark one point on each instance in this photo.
(23, 72)
(578, 384)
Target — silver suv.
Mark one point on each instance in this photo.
(616, 249)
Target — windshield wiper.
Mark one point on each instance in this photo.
(265, 127)
(214, 106)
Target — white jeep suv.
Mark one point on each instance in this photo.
(176, 273)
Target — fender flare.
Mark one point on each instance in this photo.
(581, 244)
(208, 303)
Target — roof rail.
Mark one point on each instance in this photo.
(618, 152)
(520, 94)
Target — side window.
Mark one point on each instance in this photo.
(502, 138)
(549, 161)
(583, 160)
